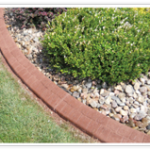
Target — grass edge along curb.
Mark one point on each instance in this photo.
(25, 120)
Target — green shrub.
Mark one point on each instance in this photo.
(38, 17)
(101, 43)
(142, 10)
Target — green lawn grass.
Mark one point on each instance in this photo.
(22, 120)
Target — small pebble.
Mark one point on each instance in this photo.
(124, 113)
(125, 107)
(114, 104)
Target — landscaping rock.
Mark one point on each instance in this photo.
(84, 95)
(140, 115)
(108, 100)
(104, 85)
(118, 109)
(117, 100)
(124, 113)
(121, 95)
(140, 99)
(126, 108)
(116, 117)
(88, 85)
(142, 80)
(94, 104)
(137, 86)
(104, 92)
(133, 110)
(143, 89)
(129, 90)
(119, 88)
(148, 82)
(114, 104)
(75, 94)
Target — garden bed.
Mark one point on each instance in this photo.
(127, 102)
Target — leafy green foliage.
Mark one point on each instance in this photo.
(103, 43)
(36, 16)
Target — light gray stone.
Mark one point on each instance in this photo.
(123, 99)
(101, 100)
(98, 105)
(85, 90)
(148, 87)
(129, 90)
(136, 103)
(65, 86)
(140, 99)
(117, 101)
(148, 111)
(142, 80)
(126, 108)
(111, 94)
(75, 94)
(104, 92)
(84, 101)
(133, 110)
(79, 90)
(119, 88)
(121, 95)
(29, 56)
(143, 108)
(137, 109)
(88, 85)
(114, 104)
(143, 89)
(30, 31)
(11, 14)
(36, 39)
(123, 85)
(108, 100)
(132, 115)
(94, 104)
(148, 82)
(137, 86)
(140, 115)
(104, 85)
(95, 90)
(135, 95)
(115, 98)
(118, 109)
(148, 118)
(116, 117)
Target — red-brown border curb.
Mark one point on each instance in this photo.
(85, 118)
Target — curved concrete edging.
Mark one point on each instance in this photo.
(85, 118)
